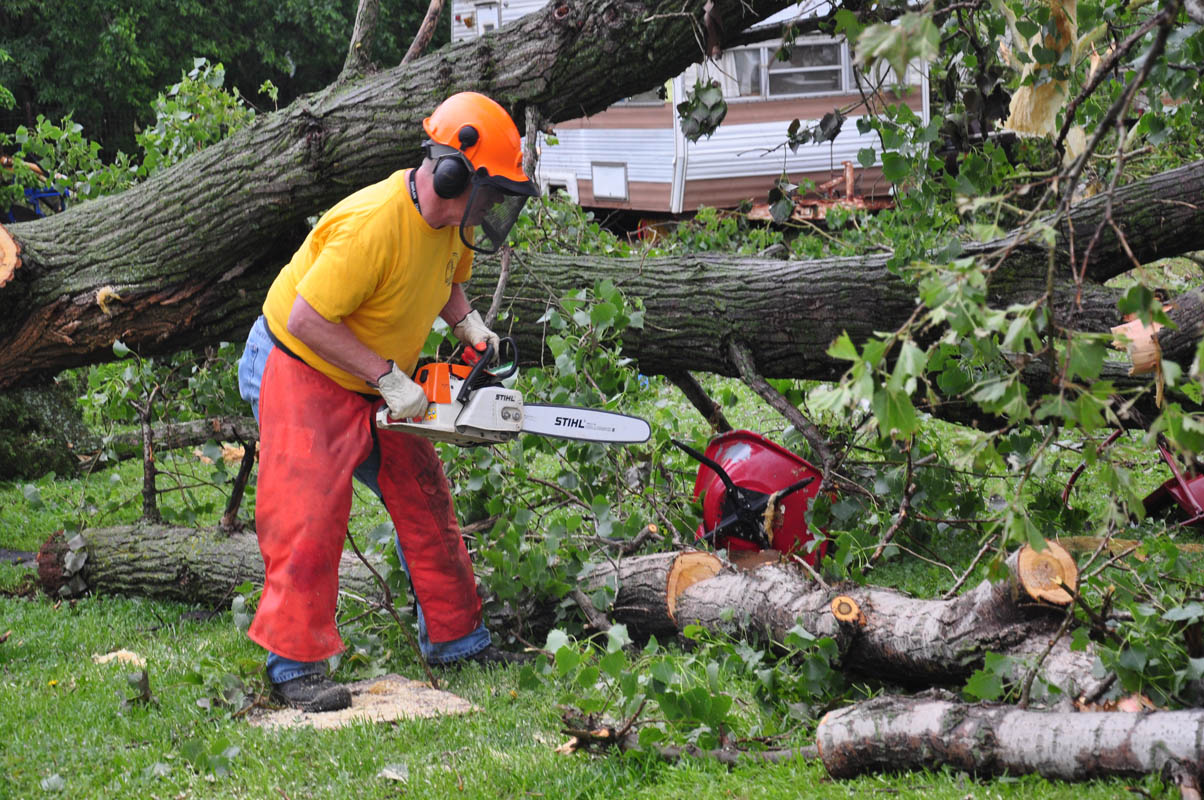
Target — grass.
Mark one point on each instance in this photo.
(62, 715)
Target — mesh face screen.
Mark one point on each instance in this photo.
(490, 214)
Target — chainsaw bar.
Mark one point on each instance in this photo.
(584, 424)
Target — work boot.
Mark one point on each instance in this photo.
(492, 656)
(312, 693)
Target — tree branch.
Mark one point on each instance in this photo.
(425, 31)
(359, 52)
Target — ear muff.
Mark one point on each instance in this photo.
(453, 170)
(450, 176)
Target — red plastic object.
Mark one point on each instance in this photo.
(1185, 489)
(754, 462)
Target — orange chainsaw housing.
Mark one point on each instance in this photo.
(435, 379)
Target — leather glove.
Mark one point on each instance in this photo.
(472, 332)
(405, 398)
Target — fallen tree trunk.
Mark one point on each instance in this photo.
(181, 564)
(786, 313)
(880, 633)
(899, 733)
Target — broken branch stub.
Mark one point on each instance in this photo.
(1049, 575)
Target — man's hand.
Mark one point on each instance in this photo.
(472, 332)
(404, 397)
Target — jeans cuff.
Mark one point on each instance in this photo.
(464, 647)
(281, 669)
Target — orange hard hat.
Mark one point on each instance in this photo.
(481, 129)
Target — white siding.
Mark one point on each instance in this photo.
(736, 150)
(510, 11)
(648, 154)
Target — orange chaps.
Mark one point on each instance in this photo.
(313, 434)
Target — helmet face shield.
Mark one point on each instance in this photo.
(493, 207)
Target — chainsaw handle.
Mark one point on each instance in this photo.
(505, 344)
(470, 383)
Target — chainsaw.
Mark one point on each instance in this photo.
(468, 405)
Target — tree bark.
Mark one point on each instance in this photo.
(898, 733)
(180, 564)
(903, 640)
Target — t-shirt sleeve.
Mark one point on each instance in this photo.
(345, 273)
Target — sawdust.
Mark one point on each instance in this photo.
(385, 699)
(121, 657)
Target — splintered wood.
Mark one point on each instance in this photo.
(10, 256)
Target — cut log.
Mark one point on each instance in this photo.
(910, 641)
(647, 587)
(181, 564)
(897, 733)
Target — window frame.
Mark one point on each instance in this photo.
(766, 52)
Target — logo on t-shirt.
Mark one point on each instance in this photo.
(450, 270)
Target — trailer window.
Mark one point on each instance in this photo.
(811, 68)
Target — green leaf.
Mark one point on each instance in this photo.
(895, 413)
(984, 685)
(617, 638)
(602, 315)
(567, 660)
(612, 664)
(843, 348)
(556, 640)
(1189, 612)
(895, 168)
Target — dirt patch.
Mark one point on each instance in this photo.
(385, 699)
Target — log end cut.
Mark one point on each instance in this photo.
(688, 569)
(846, 610)
(10, 256)
(1049, 576)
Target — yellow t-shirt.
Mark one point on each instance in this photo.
(374, 264)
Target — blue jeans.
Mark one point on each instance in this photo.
(280, 669)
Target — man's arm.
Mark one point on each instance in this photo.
(335, 343)
(457, 306)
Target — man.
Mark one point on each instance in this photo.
(342, 328)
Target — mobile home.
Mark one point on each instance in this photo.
(634, 156)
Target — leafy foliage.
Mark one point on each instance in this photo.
(102, 62)
(703, 111)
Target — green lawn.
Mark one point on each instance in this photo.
(62, 715)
